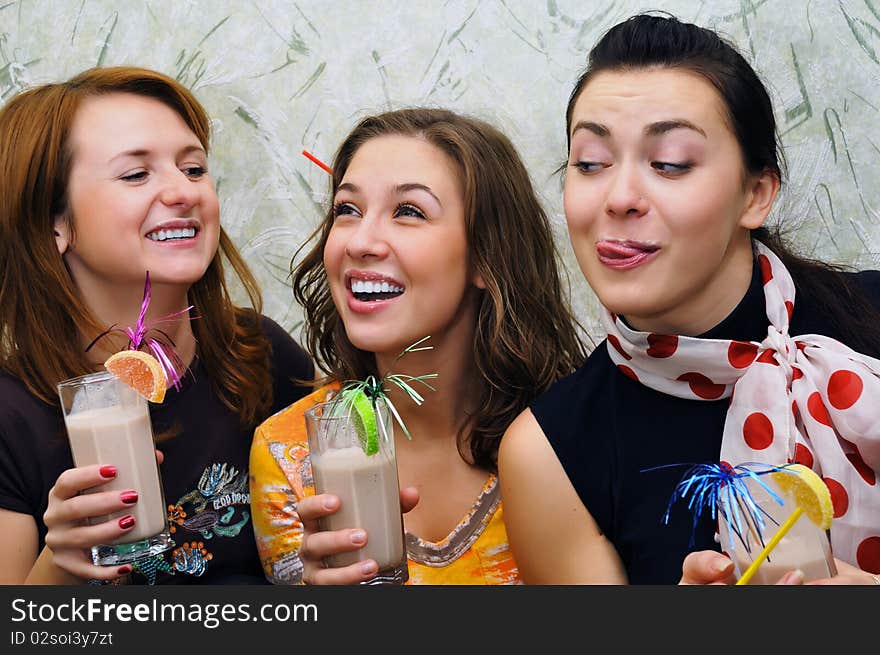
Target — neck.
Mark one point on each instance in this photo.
(121, 307)
(446, 409)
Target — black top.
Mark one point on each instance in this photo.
(606, 429)
(204, 474)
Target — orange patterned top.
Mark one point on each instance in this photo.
(475, 552)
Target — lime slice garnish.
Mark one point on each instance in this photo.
(364, 419)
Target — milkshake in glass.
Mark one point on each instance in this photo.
(108, 422)
(805, 546)
(367, 487)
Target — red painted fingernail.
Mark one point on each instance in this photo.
(129, 497)
(122, 570)
(126, 522)
(108, 471)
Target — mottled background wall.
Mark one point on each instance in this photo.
(280, 76)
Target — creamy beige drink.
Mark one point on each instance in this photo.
(122, 436)
(367, 487)
(369, 499)
(805, 546)
(108, 423)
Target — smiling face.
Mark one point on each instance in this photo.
(396, 256)
(139, 199)
(658, 204)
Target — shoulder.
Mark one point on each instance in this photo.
(285, 348)
(578, 389)
(19, 407)
(288, 425)
(868, 282)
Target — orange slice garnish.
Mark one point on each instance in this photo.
(139, 370)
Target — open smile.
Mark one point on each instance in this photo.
(369, 290)
(174, 231)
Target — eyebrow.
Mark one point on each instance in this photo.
(399, 189)
(662, 127)
(142, 152)
(654, 129)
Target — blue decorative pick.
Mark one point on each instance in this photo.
(722, 488)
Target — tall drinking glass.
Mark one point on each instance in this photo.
(805, 546)
(108, 423)
(366, 485)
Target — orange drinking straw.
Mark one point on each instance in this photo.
(317, 161)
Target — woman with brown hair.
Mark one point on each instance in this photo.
(105, 178)
(434, 230)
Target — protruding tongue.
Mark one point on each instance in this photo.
(619, 250)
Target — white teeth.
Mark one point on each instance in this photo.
(369, 286)
(177, 233)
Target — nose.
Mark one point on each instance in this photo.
(178, 190)
(626, 196)
(367, 240)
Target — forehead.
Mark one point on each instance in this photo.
(398, 159)
(113, 120)
(650, 95)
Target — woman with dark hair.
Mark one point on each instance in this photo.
(438, 209)
(673, 168)
(105, 178)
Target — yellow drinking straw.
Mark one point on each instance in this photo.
(811, 497)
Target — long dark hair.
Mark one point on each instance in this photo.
(525, 334)
(43, 316)
(659, 40)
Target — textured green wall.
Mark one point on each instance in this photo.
(278, 77)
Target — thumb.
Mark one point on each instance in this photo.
(706, 567)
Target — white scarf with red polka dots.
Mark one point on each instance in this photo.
(808, 399)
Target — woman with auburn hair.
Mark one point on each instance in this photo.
(440, 207)
(105, 178)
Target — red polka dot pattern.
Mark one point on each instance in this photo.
(628, 372)
(615, 343)
(702, 386)
(864, 470)
(868, 555)
(662, 345)
(740, 353)
(766, 268)
(802, 455)
(817, 409)
(758, 431)
(844, 389)
(829, 391)
(839, 497)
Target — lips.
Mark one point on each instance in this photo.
(370, 291)
(624, 255)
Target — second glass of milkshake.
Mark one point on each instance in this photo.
(366, 485)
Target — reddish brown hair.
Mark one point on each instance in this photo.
(43, 316)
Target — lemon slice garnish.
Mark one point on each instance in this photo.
(808, 491)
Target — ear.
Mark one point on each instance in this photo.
(63, 236)
(761, 190)
(477, 281)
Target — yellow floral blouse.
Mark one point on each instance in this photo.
(475, 552)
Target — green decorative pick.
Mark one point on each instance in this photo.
(375, 389)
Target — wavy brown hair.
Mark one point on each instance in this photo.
(525, 333)
(43, 316)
